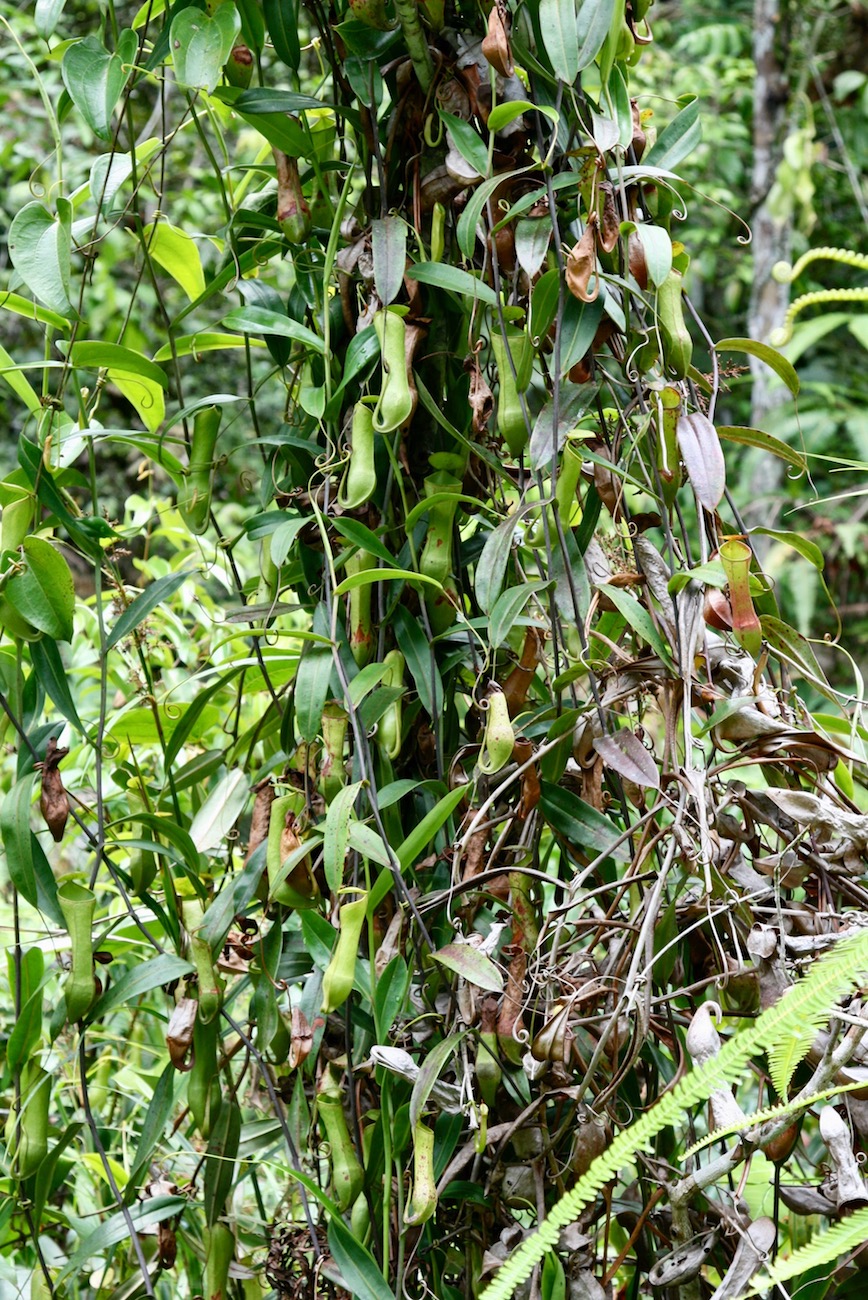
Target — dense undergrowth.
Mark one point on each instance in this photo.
(416, 800)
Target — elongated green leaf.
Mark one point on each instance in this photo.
(220, 1157)
(453, 280)
(679, 139)
(389, 248)
(809, 550)
(39, 246)
(640, 621)
(467, 141)
(417, 651)
(312, 679)
(594, 20)
(580, 824)
(27, 1029)
(191, 345)
(220, 811)
(281, 19)
(559, 26)
(772, 358)
(42, 591)
(430, 1072)
(139, 379)
(153, 1127)
(23, 390)
(337, 834)
(578, 327)
(360, 535)
(507, 609)
(358, 1267)
(49, 668)
(471, 964)
(141, 979)
(46, 16)
(259, 320)
(145, 604)
(366, 577)
(24, 307)
(491, 565)
(472, 214)
(421, 835)
(94, 78)
(765, 442)
(114, 1229)
(262, 99)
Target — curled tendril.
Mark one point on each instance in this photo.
(784, 273)
(819, 298)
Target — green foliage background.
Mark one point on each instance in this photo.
(387, 781)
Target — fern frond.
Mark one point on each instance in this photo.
(781, 1111)
(831, 976)
(824, 1248)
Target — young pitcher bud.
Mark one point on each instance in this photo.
(238, 68)
(293, 212)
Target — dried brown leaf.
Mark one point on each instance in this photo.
(609, 228)
(582, 264)
(261, 816)
(54, 801)
(495, 46)
(179, 1035)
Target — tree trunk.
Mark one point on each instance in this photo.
(771, 235)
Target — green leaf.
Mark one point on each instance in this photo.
(201, 45)
(145, 604)
(312, 679)
(502, 114)
(191, 345)
(366, 577)
(358, 534)
(27, 1029)
(578, 326)
(639, 619)
(579, 823)
(176, 252)
(418, 653)
(471, 964)
(507, 608)
(52, 674)
(594, 21)
(453, 280)
(765, 442)
(141, 381)
(657, 247)
(259, 320)
(429, 1072)
(220, 811)
(796, 649)
(94, 78)
(281, 19)
(468, 142)
(39, 248)
(559, 27)
(472, 214)
(809, 550)
(46, 16)
(492, 562)
(19, 385)
(358, 1267)
(336, 837)
(424, 832)
(115, 1229)
(262, 99)
(43, 592)
(389, 248)
(679, 139)
(772, 358)
(154, 1125)
(142, 978)
(219, 1170)
(24, 307)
